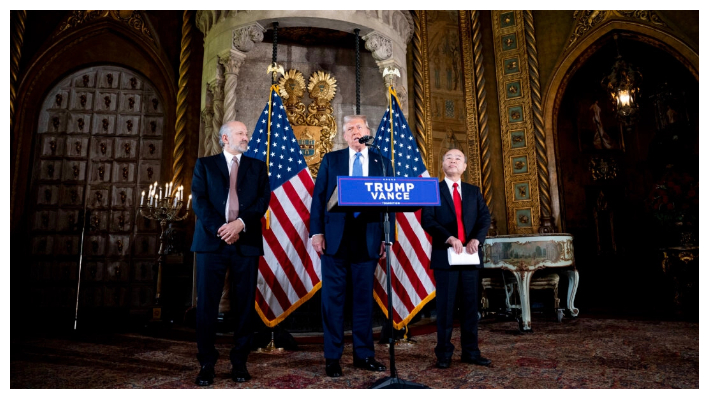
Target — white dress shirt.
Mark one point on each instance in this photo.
(229, 162)
(450, 182)
(364, 159)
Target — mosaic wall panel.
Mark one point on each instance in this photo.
(516, 128)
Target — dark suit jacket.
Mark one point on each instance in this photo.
(332, 224)
(210, 189)
(440, 221)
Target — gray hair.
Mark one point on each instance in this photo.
(225, 129)
(349, 118)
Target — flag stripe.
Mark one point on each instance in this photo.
(276, 291)
(380, 291)
(307, 181)
(303, 216)
(276, 242)
(423, 240)
(286, 231)
(262, 304)
(396, 285)
(415, 280)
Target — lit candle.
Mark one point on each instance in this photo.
(160, 192)
(156, 201)
(142, 195)
(189, 199)
(171, 188)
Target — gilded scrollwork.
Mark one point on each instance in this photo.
(314, 126)
(586, 20)
(291, 87)
(134, 20)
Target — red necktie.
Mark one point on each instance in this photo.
(458, 203)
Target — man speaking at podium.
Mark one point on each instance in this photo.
(350, 244)
(461, 223)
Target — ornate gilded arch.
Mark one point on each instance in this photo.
(582, 43)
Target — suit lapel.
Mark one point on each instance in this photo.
(467, 213)
(446, 194)
(375, 166)
(343, 165)
(220, 160)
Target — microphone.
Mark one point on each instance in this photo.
(364, 139)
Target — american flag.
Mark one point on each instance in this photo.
(289, 271)
(412, 281)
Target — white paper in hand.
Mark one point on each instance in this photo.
(464, 258)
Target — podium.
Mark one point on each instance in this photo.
(386, 194)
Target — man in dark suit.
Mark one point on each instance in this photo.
(231, 193)
(460, 222)
(351, 244)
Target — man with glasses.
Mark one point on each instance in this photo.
(350, 244)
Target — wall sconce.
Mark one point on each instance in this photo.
(623, 85)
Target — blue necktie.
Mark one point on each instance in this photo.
(357, 170)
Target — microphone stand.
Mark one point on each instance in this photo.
(393, 381)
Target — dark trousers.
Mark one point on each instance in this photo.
(448, 282)
(334, 287)
(351, 260)
(211, 270)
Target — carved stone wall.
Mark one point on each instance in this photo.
(385, 32)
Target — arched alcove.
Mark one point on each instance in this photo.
(99, 143)
(608, 170)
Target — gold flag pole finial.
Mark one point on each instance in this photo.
(389, 73)
(275, 69)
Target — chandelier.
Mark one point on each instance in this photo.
(623, 86)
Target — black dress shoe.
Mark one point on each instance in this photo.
(479, 360)
(369, 363)
(332, 368)
(239, 373)
(205, 376)
(443, 363)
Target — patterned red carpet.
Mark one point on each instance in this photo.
(581, 353)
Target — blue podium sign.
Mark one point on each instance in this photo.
(388, 191)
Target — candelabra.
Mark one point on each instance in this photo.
(165, 209)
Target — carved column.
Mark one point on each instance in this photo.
(243, 40)
(546, 224)
(217, 90)
(206, 118)
(382, 50)
(180, 133)
(231, 62)
(17, 36)
(481, 95)
(422, 106)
